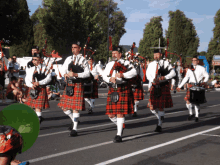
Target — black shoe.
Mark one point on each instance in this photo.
(158, 129)
(134, 114)
(162, 118)
(73, 133)
(90, 111)
(190, 117)
(196, 119)
(41, 119)
(117, 139)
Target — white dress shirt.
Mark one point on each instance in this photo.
(200, 72)
(29, 76)
(79, 59)
(127, 75)
(96, 70)
(152, 67)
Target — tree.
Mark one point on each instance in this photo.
(10, 24)
(23, 47)
(152, 32)
(214, 45)
(182, 35)
(203, 53)
(63, 21)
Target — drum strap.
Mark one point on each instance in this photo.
(195, 77)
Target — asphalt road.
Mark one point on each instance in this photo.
(182, 142)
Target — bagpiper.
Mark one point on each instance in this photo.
(117, 73)
(195, 77)
(35, 49)
(36, 80)
(159, 73)
(95, 71)
(75, 69)
(137, 86)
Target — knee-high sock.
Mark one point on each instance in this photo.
(160, 113)
(155, 113)
(114, 120)
(76, 118)
(92, 103)
(189, 106)
(120, 123)
(136, 106)
(88, 101)
(70, 114)
(197, 110)
(39, 114)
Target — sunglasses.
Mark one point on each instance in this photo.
(194, 60)
(34, 59)
(14, 58)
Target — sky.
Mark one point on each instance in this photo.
(139, 12)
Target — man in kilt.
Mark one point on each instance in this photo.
(74, 69)
(35, 49)
(95, 72)
(137, 85)
(160, 96)
(36, 80)
(192, 80)
(117, 73)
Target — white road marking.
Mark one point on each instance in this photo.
(211, 135)
(97, 126)
(157, 146)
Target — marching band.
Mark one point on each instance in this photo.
(125, 80)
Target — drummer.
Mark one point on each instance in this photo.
(200, 72)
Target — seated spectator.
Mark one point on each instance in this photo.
(55, 91)
(53, 72)
(13, 91)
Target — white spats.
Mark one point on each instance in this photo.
(155, 113)
(120, 122)
(196, 110)
(160, 114)
(39, 114)
(114, 120)
(92, 103)
(75, 122)
(69, 113)
(88, 101)
(136, 106)
(189, 106)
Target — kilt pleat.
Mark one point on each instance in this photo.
(41, 102)
(125, 105)
(164, 101)
(75, 102)
(94, 94)
(187, 97)
(138, 93)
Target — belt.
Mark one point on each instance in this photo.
(118, 85)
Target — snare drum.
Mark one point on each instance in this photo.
(197, 95)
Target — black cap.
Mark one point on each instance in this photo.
(117, 48)
(77, 43)
(136, 57)
(37, 55)
(35, 47)
(156, 50)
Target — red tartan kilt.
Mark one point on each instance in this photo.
(75, 102)
(94, 94)
(41, 102)
(125, 105)
(187, 97)
(138, 93)
(164, 101)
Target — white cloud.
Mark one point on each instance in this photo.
(203, 46)
(140, 17)
(198, 20)
(163, 4)
(199, 32)
(131, 36)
